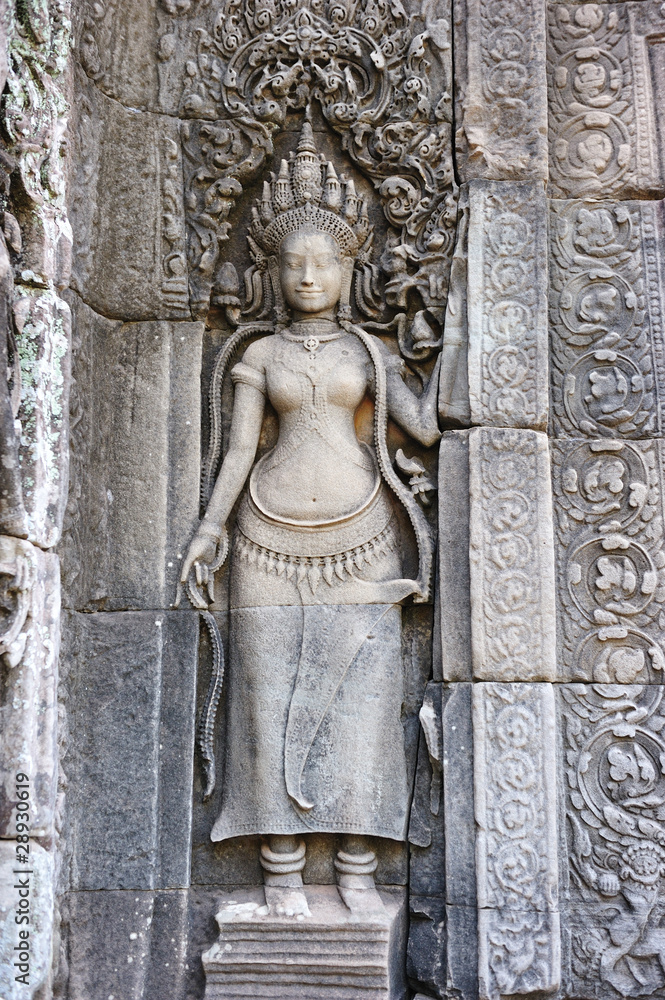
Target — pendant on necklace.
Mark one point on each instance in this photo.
(311, 345)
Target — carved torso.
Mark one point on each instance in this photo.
(318, 470)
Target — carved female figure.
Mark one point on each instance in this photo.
(314, 735)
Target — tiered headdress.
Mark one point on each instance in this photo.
(308, 195)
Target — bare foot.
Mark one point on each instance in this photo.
(363, 902)
(284, 901)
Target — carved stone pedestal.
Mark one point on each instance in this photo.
(331, 955)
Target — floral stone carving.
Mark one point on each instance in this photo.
(615, 795)
(602, 139)
(507, 304)
(606, 298)
(516, 857)
(368, 68)
(511, 551)
(502, 103)
(609, 526)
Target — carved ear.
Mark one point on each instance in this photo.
(368, 291)
(281, 313)
(344, 311)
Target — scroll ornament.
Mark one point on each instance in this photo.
(367, 68)
(616, 805)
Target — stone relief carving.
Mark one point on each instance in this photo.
(511, 553)
(35, 258)
(39, 238)
(507, 305)
(12, 511)
(502, 94)
(613, 750)
(175, 288)
(316, 579)
(516, 857)
(368, 68)
(139, 224)
(602, 136)
(609, 520)
(606, 316)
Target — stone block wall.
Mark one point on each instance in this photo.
(534, 677)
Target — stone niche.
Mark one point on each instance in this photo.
(332, 625)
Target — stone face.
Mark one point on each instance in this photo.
(462, 953)
(460, 974)
(134, 485)
(604, 96)
(612, 856)
(502, 91)
(458, 757)
(511, 552)
(425, 960)
(516, 839)
(507, 304)
(127, 212)
(609, 535)
(130, 748)
(427, 877)
(606, 305)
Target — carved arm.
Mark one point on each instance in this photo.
(246, 420)
(417, 415)
(248, 405)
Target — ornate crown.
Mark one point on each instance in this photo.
(307, 194)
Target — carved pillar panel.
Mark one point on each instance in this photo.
(609, 516)
(501, 90)
(499, 732)
(35, 344)
(606, 151)
(501, 660)
(611, 738)
(606, 306)
(516, 839)
(511, 556)
(127, 211)
(507, 304)
(604, 66)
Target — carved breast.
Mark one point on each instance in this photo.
(336, 375)
(318, 470)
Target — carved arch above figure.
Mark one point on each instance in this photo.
(366, 66)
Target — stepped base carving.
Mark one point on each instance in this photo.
(335, 954)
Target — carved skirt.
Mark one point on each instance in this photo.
(314, 737)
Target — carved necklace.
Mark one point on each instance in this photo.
(312, 336)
